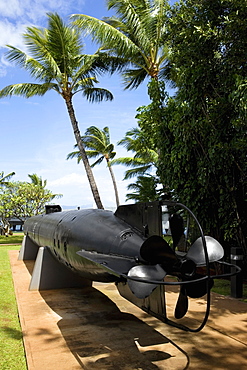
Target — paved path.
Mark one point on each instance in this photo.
(96, 329)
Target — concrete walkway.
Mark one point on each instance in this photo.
(96, 329)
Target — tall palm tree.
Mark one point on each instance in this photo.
(4, 179)
(57, 63)
(137, 34)
(98, 145)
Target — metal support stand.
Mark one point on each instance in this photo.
(29, 249)
(48, 273)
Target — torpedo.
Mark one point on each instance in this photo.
(137, 247)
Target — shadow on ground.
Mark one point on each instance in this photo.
(100, 336)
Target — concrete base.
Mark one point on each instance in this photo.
(29, 249)
(97, 329)
(48, 273)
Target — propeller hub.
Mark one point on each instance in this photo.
(188, 268)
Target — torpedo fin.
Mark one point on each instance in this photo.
(118, 265)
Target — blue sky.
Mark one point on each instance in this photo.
(36, 134)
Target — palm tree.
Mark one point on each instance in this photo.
(144, 190)
(97, 142)
(40, 192)
(4, 179)
(57, 63)
(144, 159)
(36, 180)
(137, 35)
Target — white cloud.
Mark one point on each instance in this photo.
(74, 187)
(3, 71)
(74, 179)
(10, 8)
(35, 10)
(11, 33)
(17, 15)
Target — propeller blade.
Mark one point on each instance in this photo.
(182, 303)
(198, 289)
(196, 251)
(193, 290)
(156, 250)
(145, 272)
(177, 228)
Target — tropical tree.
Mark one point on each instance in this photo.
(145, 157)
(203, 142)
(22, 200)
(144, 189)
(4, 179)
(37, 180)
(98, 145)
(136, 34)
(57, 63)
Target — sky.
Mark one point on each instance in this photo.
(36, 133)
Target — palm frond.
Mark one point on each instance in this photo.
(93, 153)
(134, 77)
(144, 189)
(130, 13)
(94, 143)
(73, 155)
(126, 161)
(82, 82)
(106, 132)
(37, 44)
(65, 44)
(4, 179)
(136, 171)
(111, 155)
(110, 148)
(95, 133)
(27, 90)
(105, 34)
(23, 60)
(97, 162)
(96, 95)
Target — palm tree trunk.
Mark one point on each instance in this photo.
(88, 169)
(113, 181)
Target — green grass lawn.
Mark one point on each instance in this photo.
(224, 287)
(11, 344)
(16, 238)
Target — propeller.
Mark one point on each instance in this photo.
(196, 254)
(214, 249)
(198, 289)
(161, 260)
(153, 250)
